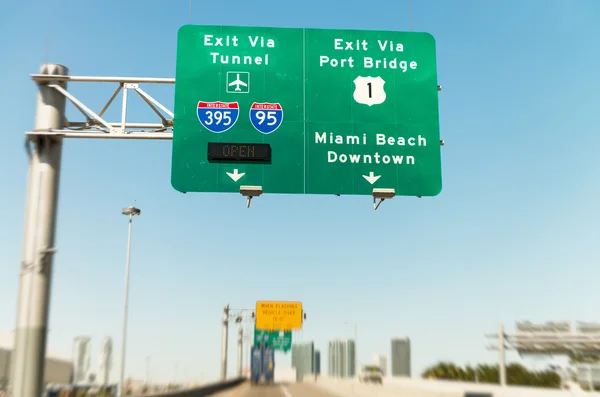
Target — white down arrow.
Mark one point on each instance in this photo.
(371, 178)
(235, 176)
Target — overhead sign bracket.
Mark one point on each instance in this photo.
(382, 194)
(250, 192)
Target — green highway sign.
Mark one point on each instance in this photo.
(262, 336)
(280, 340)
(306, 111)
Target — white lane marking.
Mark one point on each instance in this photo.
(285, 391)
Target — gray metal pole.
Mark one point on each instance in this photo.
(501, 355)
(240, 349)
(28, 358)
(250, 343)
(224, 345)
(125, 308)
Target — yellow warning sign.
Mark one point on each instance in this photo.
(278, 316)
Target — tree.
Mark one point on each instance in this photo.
(516, 374)
(584, 358)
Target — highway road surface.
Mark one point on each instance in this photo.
(276, 390)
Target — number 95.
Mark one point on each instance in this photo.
(269, 116)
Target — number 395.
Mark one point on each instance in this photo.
(218, 117)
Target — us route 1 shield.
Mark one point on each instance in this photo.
(369, 90)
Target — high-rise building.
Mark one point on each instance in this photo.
(317, 362)
(105, 361)
(401, 357)
(82, 358)
(303, 359)
(341, 358)
(381, 361)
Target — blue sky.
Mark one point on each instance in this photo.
(513, 235)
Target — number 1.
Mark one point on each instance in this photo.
(370, 94)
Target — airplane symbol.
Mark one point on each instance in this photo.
(237, 83)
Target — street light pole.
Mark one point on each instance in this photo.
(224, 343)
(130, 211)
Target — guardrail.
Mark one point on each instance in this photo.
(205, 390)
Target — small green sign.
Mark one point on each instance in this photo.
(306, 111)
(280, 340)
(262, 336)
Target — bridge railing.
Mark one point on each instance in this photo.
(201, 391)
(415, 387)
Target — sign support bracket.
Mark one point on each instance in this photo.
(250, 192)
(382, 194)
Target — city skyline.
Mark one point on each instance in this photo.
(400, 357)
(82, 359)
(303, 359)
(382, 362)
(341, 358)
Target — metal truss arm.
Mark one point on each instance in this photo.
(110, 101)
(151, 101)
(95, 124)
(82, 108)
(242, 315)
(550, 343)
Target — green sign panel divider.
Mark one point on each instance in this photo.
(306, 111)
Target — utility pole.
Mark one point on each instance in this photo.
(224, 345)
(239, 316)
(45, 152)
(501, 355)
(240, 349)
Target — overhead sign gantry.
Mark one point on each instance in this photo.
(306, 111)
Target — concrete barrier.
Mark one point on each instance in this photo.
(353, 388)
(204, 390)
(410, 387)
